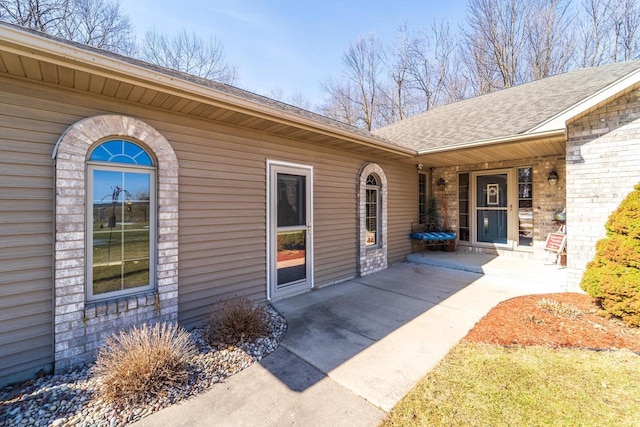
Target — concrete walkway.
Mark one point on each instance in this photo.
(353, 350)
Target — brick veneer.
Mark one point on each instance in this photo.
(371, 259)
(603, 165)
(81, 326)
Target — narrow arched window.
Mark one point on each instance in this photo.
(121, 230)
(372, 215)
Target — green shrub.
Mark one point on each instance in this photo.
(613, 277)
(143, 362)
(236, 320)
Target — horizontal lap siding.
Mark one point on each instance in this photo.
(26, 211)
(402, 208)
(223, 211)
(222, 199)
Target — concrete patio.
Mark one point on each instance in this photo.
(353, 350)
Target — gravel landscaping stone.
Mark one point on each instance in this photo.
(71, 400)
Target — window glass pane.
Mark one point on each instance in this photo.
(135, 273)
(119, 151)
(121, 230)
(525, 206)
(492, 226)
(422, 197)
(463, 207)
(292, 259)
(525, 175)
(291, 200)
(371, 220)
(492, 191)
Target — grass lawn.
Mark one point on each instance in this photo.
(487, 385)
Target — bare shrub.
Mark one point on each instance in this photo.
(236, 320)
(557, 308)
(143, 362)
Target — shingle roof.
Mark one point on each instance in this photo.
(506, 113)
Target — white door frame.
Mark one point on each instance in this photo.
(273, 168)
(511, 219)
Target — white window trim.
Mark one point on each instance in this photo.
(153, 226)
(378, 191)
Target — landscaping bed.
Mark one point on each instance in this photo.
(574, 323)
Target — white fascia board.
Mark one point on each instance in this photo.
(560, 120)
(74, 57)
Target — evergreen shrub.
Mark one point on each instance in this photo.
(613, 276)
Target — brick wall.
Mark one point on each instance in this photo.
(80, 326)
(603, 165)
(547, 199)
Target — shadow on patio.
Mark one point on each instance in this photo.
(377, 335)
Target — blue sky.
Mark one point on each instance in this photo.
(288, 44)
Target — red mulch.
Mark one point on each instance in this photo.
(520, 321)
(289, 255)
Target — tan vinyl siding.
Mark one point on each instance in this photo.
(26, 190)
(222, 199)
(402, 209)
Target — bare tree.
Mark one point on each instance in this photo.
(495, 40)
(550, 46)
(189, 53)
(624, 18)
(99, 23)
(354, 98)
(41, 15)
(395, 101)
(339, 104)
(363, 62)
(593, 32)
(430, 65)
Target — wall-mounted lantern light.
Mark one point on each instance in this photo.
(441, 183)
(420, 166)
(553, 177)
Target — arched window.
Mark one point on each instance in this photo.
(373, 216)
(121, 230)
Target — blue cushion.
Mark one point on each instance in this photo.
(433, 235)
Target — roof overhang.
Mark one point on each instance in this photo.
(26, 54)
(523, 146)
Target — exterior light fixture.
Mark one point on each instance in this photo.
(441, 183)
(553, 177)
(420, 166)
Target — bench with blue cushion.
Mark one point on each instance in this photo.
(424, 234)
